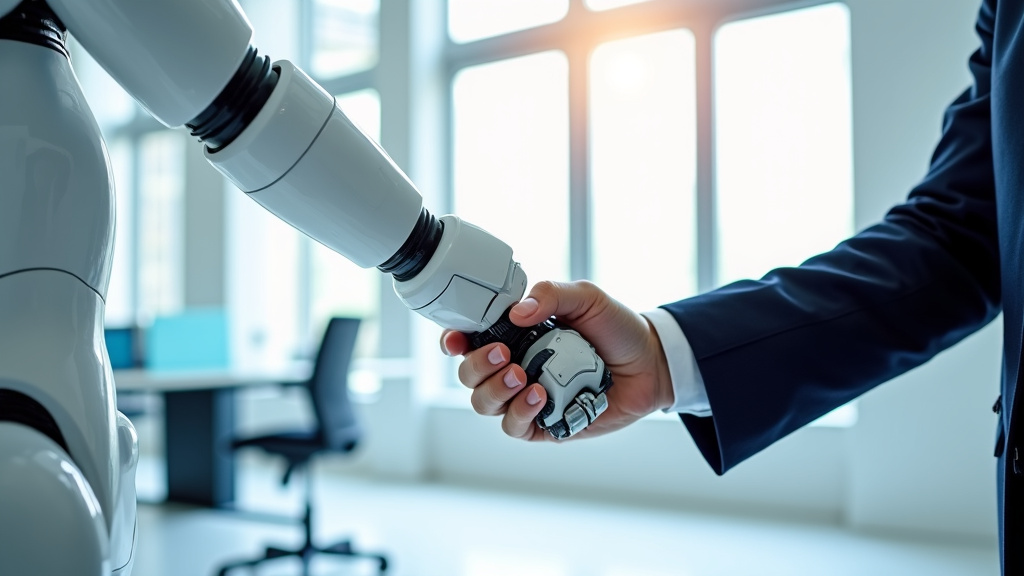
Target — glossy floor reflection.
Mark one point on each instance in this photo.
(443, 530)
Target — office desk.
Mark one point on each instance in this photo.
(199, 422)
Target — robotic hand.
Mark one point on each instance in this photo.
(284, 142)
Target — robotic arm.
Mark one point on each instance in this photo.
(282, 140)
(301, 158)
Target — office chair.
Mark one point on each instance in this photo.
(335, 431)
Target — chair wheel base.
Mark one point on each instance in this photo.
(306, 554)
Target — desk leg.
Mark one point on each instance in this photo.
(198, 429)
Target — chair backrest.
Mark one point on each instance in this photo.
(329, 385)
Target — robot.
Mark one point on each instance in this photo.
(67, 456)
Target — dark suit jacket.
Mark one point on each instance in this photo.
(779, 352)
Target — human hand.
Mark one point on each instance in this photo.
(623, 338)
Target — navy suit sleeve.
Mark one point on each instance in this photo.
(779, 352)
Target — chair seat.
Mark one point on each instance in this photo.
(297, 446)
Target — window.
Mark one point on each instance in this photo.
(783, 155)
(160, 235)
(511, 157)
(604, 142)
(120, 303)
(344, 36)
(472, 20)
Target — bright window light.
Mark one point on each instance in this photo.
(262, 278)
(784, 159)
(275, 27)
(511, 157)
(643, 169)
(161, 232)
(609, 4)
(344, 36)
(363, 108)
(472, 19)
(120, 305)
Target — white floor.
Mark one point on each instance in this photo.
(444, 530)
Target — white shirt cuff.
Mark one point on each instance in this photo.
(690, 394)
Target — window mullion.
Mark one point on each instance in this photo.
(579, 163)
(135, 182)
(706, 252)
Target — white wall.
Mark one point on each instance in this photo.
(919, 458)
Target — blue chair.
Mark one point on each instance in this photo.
(336, 430)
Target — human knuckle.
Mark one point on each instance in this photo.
(506, 425)
(476, 400)
(464, 373)
(511, 426)
(544, 287)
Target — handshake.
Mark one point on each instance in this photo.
(565, 388)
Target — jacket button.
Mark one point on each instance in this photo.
(998, 406)
(1018, 466)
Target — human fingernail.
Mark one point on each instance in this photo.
(512, 379)
(526, 307)
(496, 356)
(532, 397)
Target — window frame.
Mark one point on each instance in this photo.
(577, 35)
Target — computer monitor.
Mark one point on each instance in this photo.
(122, 347)
(193, 339)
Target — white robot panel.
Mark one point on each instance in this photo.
(55, 505)
(305, 161)
(56, 201)
(468, 283)
(173, 57)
